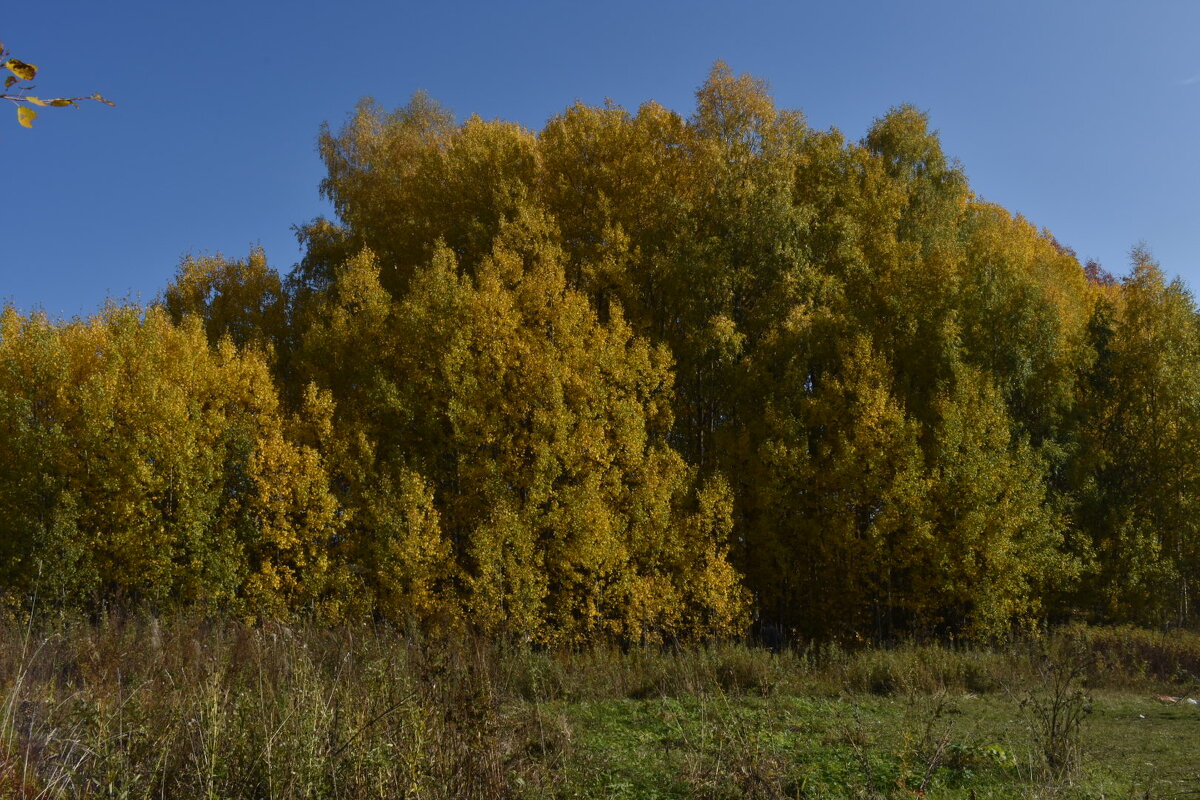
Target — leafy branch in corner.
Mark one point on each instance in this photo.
(17, 87)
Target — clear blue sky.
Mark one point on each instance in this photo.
(1082, 115)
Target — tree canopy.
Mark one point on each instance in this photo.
(633, 376)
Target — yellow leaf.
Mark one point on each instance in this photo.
(35, 100)
(25, 72)
(26, 116)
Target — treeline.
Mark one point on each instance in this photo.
(634, 375)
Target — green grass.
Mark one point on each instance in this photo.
(859, 746)
(198, 708)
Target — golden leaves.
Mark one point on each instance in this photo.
(22, 72)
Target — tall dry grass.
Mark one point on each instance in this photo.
(133, 706)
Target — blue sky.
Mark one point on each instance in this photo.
(1083, 116)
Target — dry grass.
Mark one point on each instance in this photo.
(189, 707)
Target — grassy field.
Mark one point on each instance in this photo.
(192, 708)
(965, 746)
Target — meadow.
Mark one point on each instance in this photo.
(191, 707)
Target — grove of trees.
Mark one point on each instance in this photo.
(635, 375)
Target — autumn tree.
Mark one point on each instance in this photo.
(838, 468)
(541, 431)
(791, 275)
(1138, 479)
(242, 300)
(994, 543)
(165, 469)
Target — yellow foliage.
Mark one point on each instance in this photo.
(632, 376)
